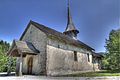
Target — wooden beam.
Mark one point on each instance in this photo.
(9, 65)
(21, 63)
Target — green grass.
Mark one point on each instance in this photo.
(95, 74)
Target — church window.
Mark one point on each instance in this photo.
(58, 46)
(75, 56)
(88, 57)
(30, 32)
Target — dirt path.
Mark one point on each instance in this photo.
(26, 77)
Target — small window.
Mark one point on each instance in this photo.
(30, 32)
(88, 57)
(75, 56)
(58, 46)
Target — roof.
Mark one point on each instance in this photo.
(97, 55)
(60, 36)
(22, 46)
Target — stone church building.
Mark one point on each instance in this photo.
(45, 51)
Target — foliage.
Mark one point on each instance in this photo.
(4, 47)
(112, 58)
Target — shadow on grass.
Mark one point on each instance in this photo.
(95, 74)
(5, 74)
(110, 71)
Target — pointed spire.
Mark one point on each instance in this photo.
(70, 25)
(69, 14)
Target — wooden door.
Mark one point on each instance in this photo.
(30, 65)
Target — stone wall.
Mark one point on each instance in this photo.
(39, 40)
(60, 58)
(97, 64)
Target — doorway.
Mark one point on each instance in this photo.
(30, 65)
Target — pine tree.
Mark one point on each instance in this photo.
(112, 58)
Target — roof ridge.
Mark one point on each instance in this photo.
(60, 34)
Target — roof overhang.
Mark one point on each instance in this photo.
(22, 47)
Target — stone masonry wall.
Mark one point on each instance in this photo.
(38, 39)
(97, 64)
(60, 58)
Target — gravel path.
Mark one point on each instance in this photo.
(26, 77)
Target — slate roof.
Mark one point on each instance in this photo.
(60, 36)
(22, 46)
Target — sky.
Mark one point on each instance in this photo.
(93, 18)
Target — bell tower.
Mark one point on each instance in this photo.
(70, 30)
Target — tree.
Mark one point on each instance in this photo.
(4, 47)
(112, 58)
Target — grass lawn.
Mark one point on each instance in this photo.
(95, 74)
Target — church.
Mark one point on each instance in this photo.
(45, 51)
